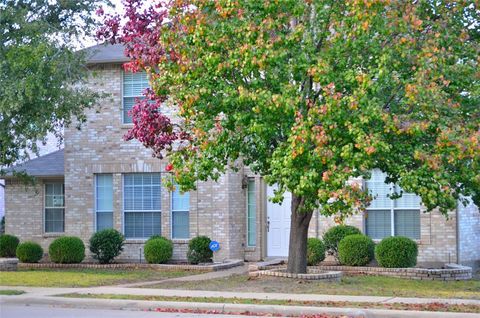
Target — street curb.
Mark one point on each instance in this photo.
(124, 304)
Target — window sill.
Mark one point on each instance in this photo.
(180, 241)
(250, 249)
(135, 241)
(53, 234)
(418, 241)
(126, 126)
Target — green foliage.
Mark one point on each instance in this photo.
(29, 252)
(40, 69)
(2, 223)
(158, 250)
(309, 94)
(106, 245)
(156, 236)
(334, 235)
(67, 250)
(356, 250)
(315, 251)
(396, 251)
(199, 250)
(8, 245)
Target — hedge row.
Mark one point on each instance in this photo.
(105, 245)
(345, 242)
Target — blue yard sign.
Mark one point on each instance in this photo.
(214, 246)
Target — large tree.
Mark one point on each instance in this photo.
(310, 94)
(40, 72)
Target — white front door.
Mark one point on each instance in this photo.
(278, 225)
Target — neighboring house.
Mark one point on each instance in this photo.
(100, 181)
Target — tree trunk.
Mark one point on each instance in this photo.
(297, 249)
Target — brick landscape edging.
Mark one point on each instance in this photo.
(204, 268)
(8, 264)
(450, 272)
(313, 274)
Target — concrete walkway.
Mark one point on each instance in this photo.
(115, 290)
(49, 297)
(238, 270)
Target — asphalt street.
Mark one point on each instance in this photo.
(38, 311)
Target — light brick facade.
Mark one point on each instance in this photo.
(217, 209)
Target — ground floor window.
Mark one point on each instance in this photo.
(54, 208)
(180, 214)
(251, 213)
(387, 217)
(104, 201)
(142, 205)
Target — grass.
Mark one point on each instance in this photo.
(465, 308)
(349, 285)
(11, 292)
(83, 277)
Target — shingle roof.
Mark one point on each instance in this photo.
(49, 165)
(106, 53)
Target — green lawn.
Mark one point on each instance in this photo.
(349, 285)
(83, 277)
(343, 304)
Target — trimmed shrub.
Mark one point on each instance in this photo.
(158, 250)
(156, 236)
(67, 250)
(106, 245)
(199, 250)
(315, 251)
(356, 250)
(29, 252)
(396, 251)
(334, 235)
(8, 245)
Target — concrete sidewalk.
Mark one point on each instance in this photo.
(39, 298)
(44, 291)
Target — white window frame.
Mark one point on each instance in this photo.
(139, 211)
(172, 211)
(124, 96)
(45, 207)
(96, 200)
(255, 212)
(392, 208)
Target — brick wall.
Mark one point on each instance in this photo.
(24, 206)
(216, 209)
(469, 234)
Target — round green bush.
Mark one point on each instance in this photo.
(315, 251)
(67, 250)
(158, 250)
(396, 251)
(356, 250)
(29, 252)
(334, 235)
(199, 250)
(8, 245)
(156, 236)
(106, 245)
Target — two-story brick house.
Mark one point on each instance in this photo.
(99, 180)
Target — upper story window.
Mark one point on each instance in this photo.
(133, 86)
(387, 217)
(54, 208)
